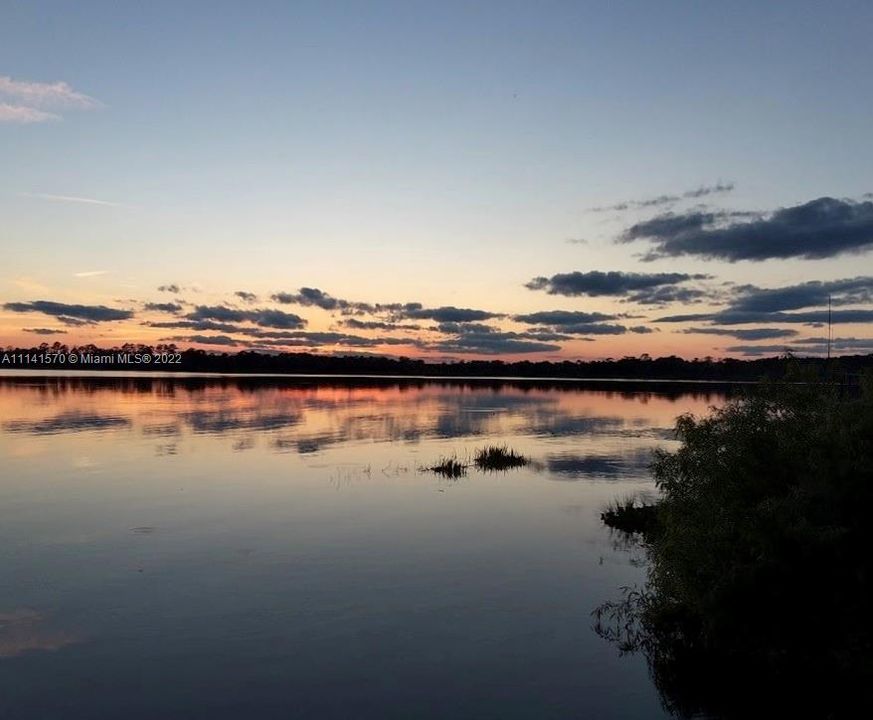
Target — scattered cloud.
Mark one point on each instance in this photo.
(70, 314)
(44, 331)
(263, 317)
(34, 102)
(820, 344)
(24, 115)
(743, 334)
(163, 307)
(448, 313)
(572, 322)
(758, 350)
(196, 325)
(821, 228)
(248, 297)
(311, 297)
(171, 288)
(643, 288)
(56, 94)
(28, 284)
(90, 273)
(562, 317)
(277, 339)
(71, 199)
(378, 325)
(703, 191)
(484, 340)
(849, 291)
(736, 317)
(205, 340)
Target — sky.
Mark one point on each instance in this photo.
(550, 180)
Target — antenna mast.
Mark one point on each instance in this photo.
(829, 326)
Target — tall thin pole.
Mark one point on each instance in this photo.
(829, 326)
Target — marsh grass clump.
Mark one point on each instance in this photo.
(498, 457)
(631, 516)
(449, 467)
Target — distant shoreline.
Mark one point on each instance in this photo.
(180, 374)
(167, 361)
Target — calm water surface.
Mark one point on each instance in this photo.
(232, 548)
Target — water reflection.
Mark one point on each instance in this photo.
(26, 631)
(311, 416)
(268, 548)
(573, 467)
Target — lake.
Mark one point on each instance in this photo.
(272, 548)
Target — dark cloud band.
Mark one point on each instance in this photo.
(821, 228)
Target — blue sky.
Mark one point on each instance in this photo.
(439, 153)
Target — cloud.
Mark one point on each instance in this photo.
(262, 317)
(286, 339)
(850, 291)
(703, 191)
(448, 313)
(73, 322)
(644, 288)
(757, 350)
(819, 344)
(29, 285)
(171, 288)
(313, 297)
(163, 307)
(377, 325)
(594, 329)
(735, 317)
(310, 297)
(56, 94)
(206, 340)
(24, 115)
(70, 314)
(562, 317)
(44, 331)
(198, 325)
(246, 296)
(90, 273)
(71, 199)
(744, 334)
(494, 342)
(821, 228)
(473, 329)
(32, 101)
(572, 322)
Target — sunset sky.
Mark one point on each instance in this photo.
(444, 180)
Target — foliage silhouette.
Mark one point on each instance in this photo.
(760, 578)
(498, 457)
(449, 467)
(629, 368)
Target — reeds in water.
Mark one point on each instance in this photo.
(498, 457)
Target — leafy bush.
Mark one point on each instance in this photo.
(760, 573)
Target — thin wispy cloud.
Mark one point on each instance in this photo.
(702, 191)
(29, 284)
(71, 199)
(56, 94)
(90, 273)
(26, 102)
(24, 115)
